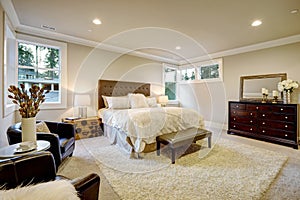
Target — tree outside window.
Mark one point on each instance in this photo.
(39, 65)
(170, 75)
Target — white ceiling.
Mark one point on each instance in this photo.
(156, 27)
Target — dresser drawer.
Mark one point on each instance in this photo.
(243, 127)
(243, 120)
(276, 117)
(237, 106)
(283, 126)
(253, 107)
(285, 109)
(242, 113)
(276, 133)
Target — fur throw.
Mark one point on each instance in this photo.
(56, 190)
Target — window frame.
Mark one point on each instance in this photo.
(165, 65)
(62, 102)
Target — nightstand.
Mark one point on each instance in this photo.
(85, 127)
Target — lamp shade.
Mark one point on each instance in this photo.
(82, 100)
(163, 99)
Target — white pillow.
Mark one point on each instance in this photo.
(42, 127)
(105, 101)
(121, 102)
(58, 190)
(138, 101)
(151, 102)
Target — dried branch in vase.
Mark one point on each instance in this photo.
(29, 102)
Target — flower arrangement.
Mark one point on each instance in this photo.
(287, 85)
(29, 104)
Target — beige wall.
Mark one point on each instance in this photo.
(211, 99)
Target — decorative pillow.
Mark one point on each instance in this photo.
(105, 101)
(42, 127)
(121, 102)
(138, 101)
(58, 190)
(152, 102)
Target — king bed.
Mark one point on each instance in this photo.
(132, 119)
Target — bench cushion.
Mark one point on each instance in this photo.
(184, 135)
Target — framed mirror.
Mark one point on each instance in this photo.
(251, 86)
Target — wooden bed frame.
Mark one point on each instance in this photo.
(120, 88)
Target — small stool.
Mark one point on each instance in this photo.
(181, 138)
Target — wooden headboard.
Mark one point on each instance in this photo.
(120, 88)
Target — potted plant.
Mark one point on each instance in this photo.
(29, 103)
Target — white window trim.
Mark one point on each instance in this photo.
(63, 82)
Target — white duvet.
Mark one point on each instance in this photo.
(143, 125)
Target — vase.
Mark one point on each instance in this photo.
(29, 129)
(286, 97)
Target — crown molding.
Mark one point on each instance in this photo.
(11, 12)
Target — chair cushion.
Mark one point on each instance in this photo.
(65, 144)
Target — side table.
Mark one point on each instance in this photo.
(85, 127)
(10, 151)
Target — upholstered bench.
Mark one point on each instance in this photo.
(181, 138)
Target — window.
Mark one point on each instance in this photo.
(170, 81)
(202, 71)
(43, 62)
(188, 74)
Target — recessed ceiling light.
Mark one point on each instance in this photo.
(89, 30)
(256, 23)
(97, 21)
(178, 47)
(294, 11)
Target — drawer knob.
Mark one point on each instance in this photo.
(237, 106)
(234, 112)
(233, 126)
(286, 117)
(281, 109)
(251, 113)
(250, 129)
(286, 126)
(233, 119)
(263, 115)
(251, 121)
(263, 123)
(263, 131)
(256, 108)
(285, 135)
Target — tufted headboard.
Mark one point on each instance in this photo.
(120, 88)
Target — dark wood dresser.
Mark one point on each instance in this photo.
(276, 123)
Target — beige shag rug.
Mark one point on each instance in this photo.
(229, 171)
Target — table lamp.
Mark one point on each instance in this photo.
(163, 100)
(82, 101)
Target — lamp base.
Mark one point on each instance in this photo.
(82, 112)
